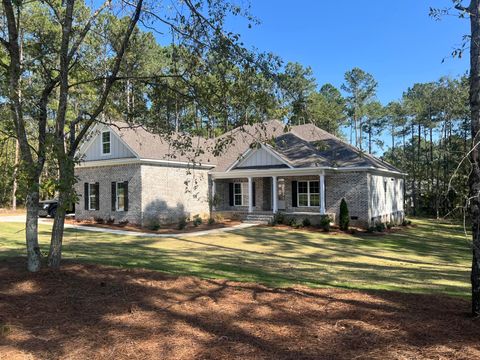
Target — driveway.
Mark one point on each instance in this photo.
(21, 218)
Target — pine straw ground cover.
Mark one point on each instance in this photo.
(99, 312)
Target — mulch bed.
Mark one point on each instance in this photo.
(98, 312)
(164, 229)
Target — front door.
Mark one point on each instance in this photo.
(281, 194)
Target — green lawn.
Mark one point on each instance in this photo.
(430, 257)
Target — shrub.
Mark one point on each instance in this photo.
(123, 223)
(279, 218)
(325, 223)
(380, 227)
(211, 221)
(182, 223)
(294, 223)
(389, 225)
(98, 220)
(197, 220)
(406, 222)
(153, 224)
(306, 222)
(370, 229)
(110, 220)
(344, 220)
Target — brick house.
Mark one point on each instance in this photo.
(263, 169)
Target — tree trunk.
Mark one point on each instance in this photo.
(15, 175)
(31, 228)
(474, 180)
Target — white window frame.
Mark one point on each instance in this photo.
(308, 193)
(235, 194)
(90, 186)
(109, 142)
(117, 208)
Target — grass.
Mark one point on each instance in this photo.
(431, 257)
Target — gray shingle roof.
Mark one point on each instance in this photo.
(151, 146)
(301, 146)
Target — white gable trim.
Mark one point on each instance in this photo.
(250, 152)
(102, 127)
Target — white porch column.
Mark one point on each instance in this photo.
(250, 195)
(322, 193)
(274, 195)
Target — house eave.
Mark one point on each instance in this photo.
(132, 161)
(299, 172)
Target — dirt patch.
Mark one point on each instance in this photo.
(165, 229)
(97, 312)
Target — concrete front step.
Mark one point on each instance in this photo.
(258, 219)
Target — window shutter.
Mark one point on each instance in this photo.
(294, 194)
(126, 195)
(253, 193)
(97, 197)
(230, 193)
(114, 196)
(86, 195)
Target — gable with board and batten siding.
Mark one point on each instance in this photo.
(261, 157)
(118, 148)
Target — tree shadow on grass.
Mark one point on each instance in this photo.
(89, 311)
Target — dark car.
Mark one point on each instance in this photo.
(48, 208)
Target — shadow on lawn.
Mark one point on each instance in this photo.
(278, 260)
(95, 311)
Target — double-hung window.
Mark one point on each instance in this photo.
(237, 194)
(120, 196)
(106, 144)
(240, 194)
(120, 199)
(308, 193)
(92, 197)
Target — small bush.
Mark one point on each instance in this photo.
(389, 225)
(325, 223)
(279, 218)
(352, 231)
(123, 223)
(153, 224)
(294, 223)
(182, 223)
(380, 227)
(406, 222)
(306, 222)
(344, 220)
(197, 220)
(98, 220)
(370, 229)
(211, 221)
(110, 220)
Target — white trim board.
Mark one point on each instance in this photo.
(298, 171)
(129, 161)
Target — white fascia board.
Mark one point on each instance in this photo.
(242, 157)
(86, 145)
(129, 161)
(296, 171)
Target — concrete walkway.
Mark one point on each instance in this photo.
(21, 218)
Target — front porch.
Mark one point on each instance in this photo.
(264, 196)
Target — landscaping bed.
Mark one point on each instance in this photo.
(164, 229)
(100, 312)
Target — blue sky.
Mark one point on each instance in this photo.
(396, 41)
